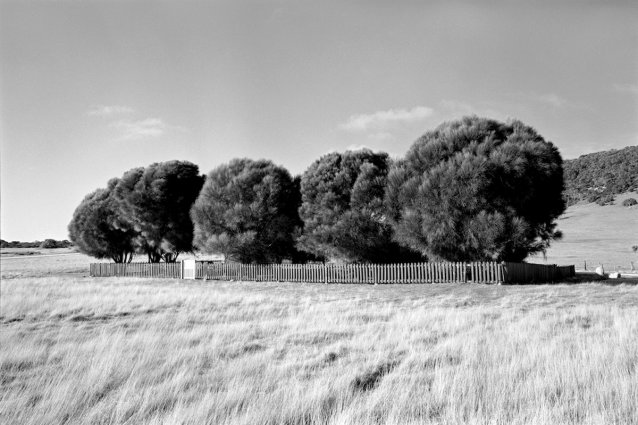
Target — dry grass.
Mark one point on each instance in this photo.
(113, 351)
(65, 264)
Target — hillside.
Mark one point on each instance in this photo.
(592, 234)
(596, 235)
(599, 176)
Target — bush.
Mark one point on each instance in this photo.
(607, 199)
(629, 202)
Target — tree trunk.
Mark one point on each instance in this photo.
(154, 257)
(170, 257)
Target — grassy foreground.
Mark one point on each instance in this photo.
(113, 351)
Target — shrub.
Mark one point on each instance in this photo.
(629, 202)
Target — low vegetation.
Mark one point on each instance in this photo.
(77, 350)
(629, 202)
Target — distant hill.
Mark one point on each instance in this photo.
(599, 177)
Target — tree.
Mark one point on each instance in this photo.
(98, 228)
(477, 190)
(49, 243)
(247, 210)
(343, 212)
(156, 201)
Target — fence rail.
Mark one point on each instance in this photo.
(485, 272)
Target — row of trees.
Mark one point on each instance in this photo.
(47, 243)
(470, 190)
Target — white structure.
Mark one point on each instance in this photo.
(188, 269)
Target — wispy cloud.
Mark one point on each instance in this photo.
(626, 88)
(551, 99)
(381, 119)
(458, 108)
(357, 147)
(453, 109)
(105, 111)
(141, 129)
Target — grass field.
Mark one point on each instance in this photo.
(596, 235)
(77, 350)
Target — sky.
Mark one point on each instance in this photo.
(90, 89)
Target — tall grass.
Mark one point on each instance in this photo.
(115, 351)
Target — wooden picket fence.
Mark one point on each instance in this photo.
(354, 273)
(160, 270)
(479, 272)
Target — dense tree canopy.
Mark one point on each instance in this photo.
(98, 228)
(477, 189)
(247, 210)
(343, 212)
(156, 201)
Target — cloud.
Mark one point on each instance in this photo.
(357, 147)
(551, 99)
(381, 119)
(454, 109)
(626, 88)
(104, 111)
(141, 129)
(458, 108)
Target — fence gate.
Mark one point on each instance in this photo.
(188, 269)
